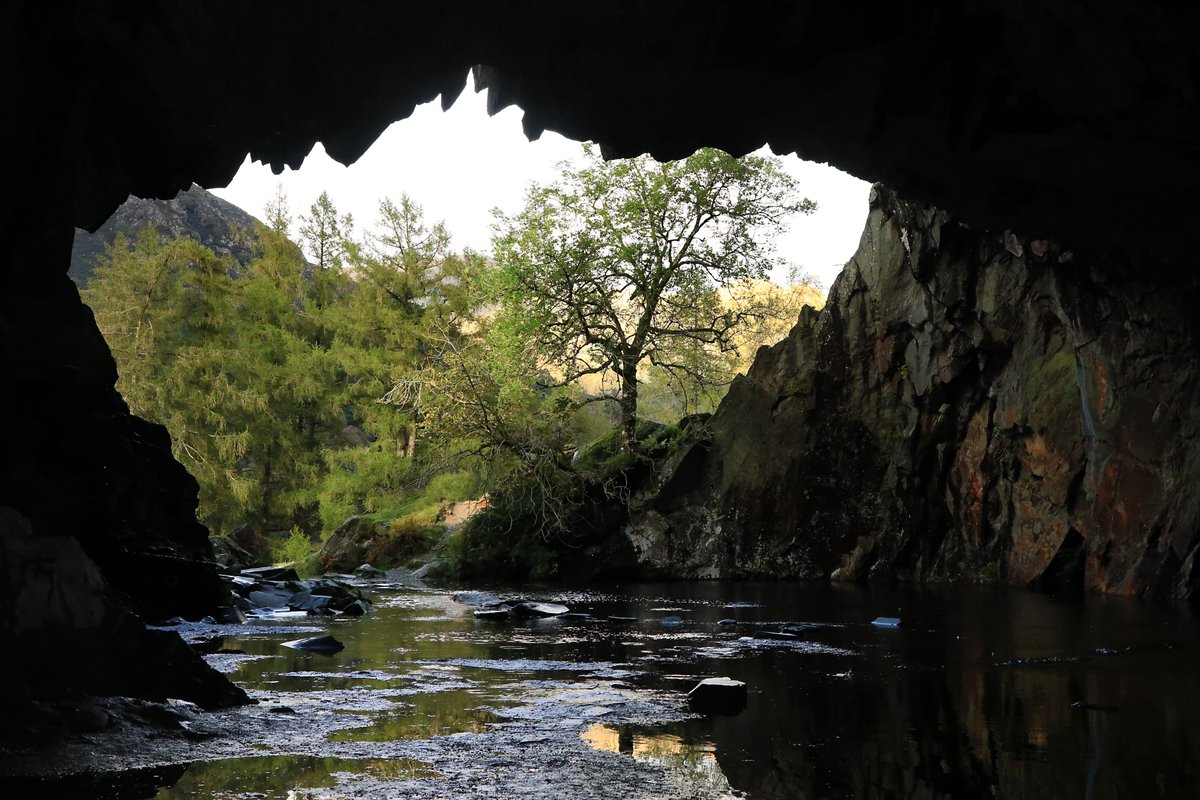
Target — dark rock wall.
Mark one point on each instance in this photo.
(98, 529)
(77, 463)
(967, 406)
(1013, 115)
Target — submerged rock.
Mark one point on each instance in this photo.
(493, 614)
(886, 622)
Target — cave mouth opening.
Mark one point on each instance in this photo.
(425, 193)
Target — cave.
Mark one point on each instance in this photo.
(1075, 124)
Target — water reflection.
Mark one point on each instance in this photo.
(435, 714)
(981, 692)
(281, 777)
(694, 762)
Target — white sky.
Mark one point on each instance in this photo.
(460, 164)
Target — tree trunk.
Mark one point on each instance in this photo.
(266, 494)
(629, 401)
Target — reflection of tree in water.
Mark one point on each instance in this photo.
(692, 762)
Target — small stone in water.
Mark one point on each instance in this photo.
(886, 622)
(316, 644)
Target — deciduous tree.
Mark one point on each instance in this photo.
(617, 264)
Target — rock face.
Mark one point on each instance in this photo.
(76, 463)
(967, 406)
(195, 213)
(66, 632)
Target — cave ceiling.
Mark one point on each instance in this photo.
(1073, 120)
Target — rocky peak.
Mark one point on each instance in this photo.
(195, 213)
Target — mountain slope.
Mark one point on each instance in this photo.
(196, 213)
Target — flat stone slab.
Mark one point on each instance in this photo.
(538, 609)
(316, 644)
(718, 696)
(272, 573)
(886, 622)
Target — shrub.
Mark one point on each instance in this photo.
(295, 548)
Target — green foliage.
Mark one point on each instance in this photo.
(297, 547)
(293, 392)
(620, 263)
(404, 538)
(388, 376)
(227, 358)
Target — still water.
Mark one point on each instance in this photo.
(980, 692)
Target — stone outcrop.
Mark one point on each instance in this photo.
(968, 405)
(65, 632)
(195, 213)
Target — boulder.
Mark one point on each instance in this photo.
(266, 599)
(306, 601)
(886, 622)
(346, 548)
(229, 556)
(367, 571)
(718, 697)
(355, 608)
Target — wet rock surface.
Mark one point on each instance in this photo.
(968, 405)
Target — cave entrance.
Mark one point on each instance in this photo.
(281, 325)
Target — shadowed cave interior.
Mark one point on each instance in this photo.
(1004, 377)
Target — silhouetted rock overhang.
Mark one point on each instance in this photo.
(1076, 120)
